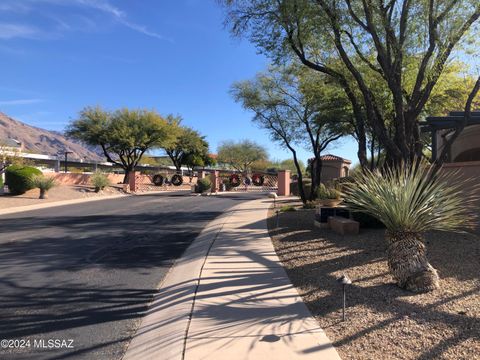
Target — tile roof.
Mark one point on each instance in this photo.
(330, 157)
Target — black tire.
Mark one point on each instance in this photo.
(258, 179)
(158, 180)
(234, 180)
(177, 180)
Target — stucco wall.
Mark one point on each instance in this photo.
(330, 172)
(468, 140)
(333, 170)
(80, 179)
(469, 174)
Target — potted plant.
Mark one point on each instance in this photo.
(44, 184)
(328, 197)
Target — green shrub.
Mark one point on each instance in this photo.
(227, 184)
(43, 183)
(325, 193)
(99, 181)
(310, 205)
(1, 181)
(203, 185)
(307, 186)
(18, 178)
(287, 208)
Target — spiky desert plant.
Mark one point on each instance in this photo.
(44, 183)
(410, 200)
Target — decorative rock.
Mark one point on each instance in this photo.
(343, 226)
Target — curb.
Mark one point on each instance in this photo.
(58, 203)
(79, 201)
(166, 334)
(202, 309)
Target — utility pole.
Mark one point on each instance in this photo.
(66, 159)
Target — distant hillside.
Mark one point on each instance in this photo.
(41, 141)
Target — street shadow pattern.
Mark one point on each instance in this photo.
(89, 278)
(243, 299)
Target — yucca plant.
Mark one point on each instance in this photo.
(410, 200)
(43, 183)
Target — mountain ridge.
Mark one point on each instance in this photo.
(41, 141)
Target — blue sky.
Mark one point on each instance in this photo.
(59, 56)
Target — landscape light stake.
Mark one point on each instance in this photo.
(273, 196)
(344, 280)
(278, 219)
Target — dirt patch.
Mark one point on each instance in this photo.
(383, 321)
(58, 193)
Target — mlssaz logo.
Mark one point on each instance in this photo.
(53, 343)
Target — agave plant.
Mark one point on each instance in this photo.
(410, 200)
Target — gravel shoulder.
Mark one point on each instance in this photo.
(383, 321)
(58, 193)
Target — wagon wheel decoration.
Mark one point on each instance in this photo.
(234, 180)
(258, 179)
(158, 180)
(177, 180)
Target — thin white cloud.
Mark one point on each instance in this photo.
(106, 7)
(121, 17)
(10, 31)
(20, 102)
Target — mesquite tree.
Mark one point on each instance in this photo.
(123, 135)
(187, 147)
(294, 106)
(353, 40)
(241, 155)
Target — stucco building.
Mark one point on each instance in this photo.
(334, 167)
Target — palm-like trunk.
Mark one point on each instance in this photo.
(408, 262)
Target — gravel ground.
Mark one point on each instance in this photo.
(58, 193)
(383, 321)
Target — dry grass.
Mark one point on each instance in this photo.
(384, 321)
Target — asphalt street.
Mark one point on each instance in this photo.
(75, 280)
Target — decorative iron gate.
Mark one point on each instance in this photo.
(163, 181)
(258, 181)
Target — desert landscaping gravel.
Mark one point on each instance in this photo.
(58, 193)
(383, 321)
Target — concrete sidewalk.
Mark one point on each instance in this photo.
(229, 298)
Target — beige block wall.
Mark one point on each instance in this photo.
(330, 172)
(334, 170)
(80, 179)
(467, 140)
(469, 174)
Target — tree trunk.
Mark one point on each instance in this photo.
(43, 194)
(372, 153)
(408, 262)
(301, 190)
(316, 171)
(127, 174)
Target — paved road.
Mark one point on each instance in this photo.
(86, 272)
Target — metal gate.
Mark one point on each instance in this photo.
(257, 181)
